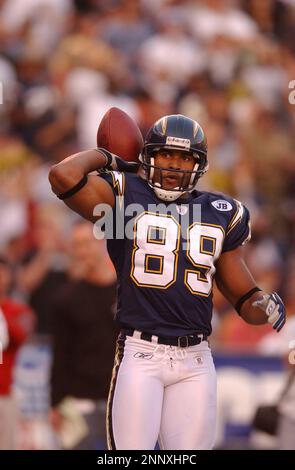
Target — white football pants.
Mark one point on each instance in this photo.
(163, 393)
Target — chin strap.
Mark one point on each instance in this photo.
(165, 194)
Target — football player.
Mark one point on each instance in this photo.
(164, 386)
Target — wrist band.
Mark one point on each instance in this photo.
(75, 189)
(245, 297)
(108, 156)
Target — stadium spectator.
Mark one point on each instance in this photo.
(20, 324)
(83, 336)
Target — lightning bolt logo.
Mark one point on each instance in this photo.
(119, 185)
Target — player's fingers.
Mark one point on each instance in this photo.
(280, 326)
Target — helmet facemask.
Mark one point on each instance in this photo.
(185, 184)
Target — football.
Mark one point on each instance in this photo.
(119, 134)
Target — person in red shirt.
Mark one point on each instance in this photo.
(3, 334)
(20, 324)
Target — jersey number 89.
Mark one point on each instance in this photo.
(156, 252)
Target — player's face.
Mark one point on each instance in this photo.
(173, 160)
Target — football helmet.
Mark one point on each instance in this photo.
(176, 132)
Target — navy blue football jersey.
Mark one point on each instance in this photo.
(165, 254)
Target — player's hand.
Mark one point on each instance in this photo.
(274, 308)
(113, 162)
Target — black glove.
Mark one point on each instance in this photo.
(113, 162)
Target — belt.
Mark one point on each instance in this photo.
(180, 341)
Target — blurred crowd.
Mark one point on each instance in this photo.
(225, 63)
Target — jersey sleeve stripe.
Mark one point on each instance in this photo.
(236, 218)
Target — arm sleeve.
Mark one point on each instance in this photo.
(117, 181)
(238, 230)
(113, 223)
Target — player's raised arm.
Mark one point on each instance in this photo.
(238, 286)
(70, 179)
(71, 182)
